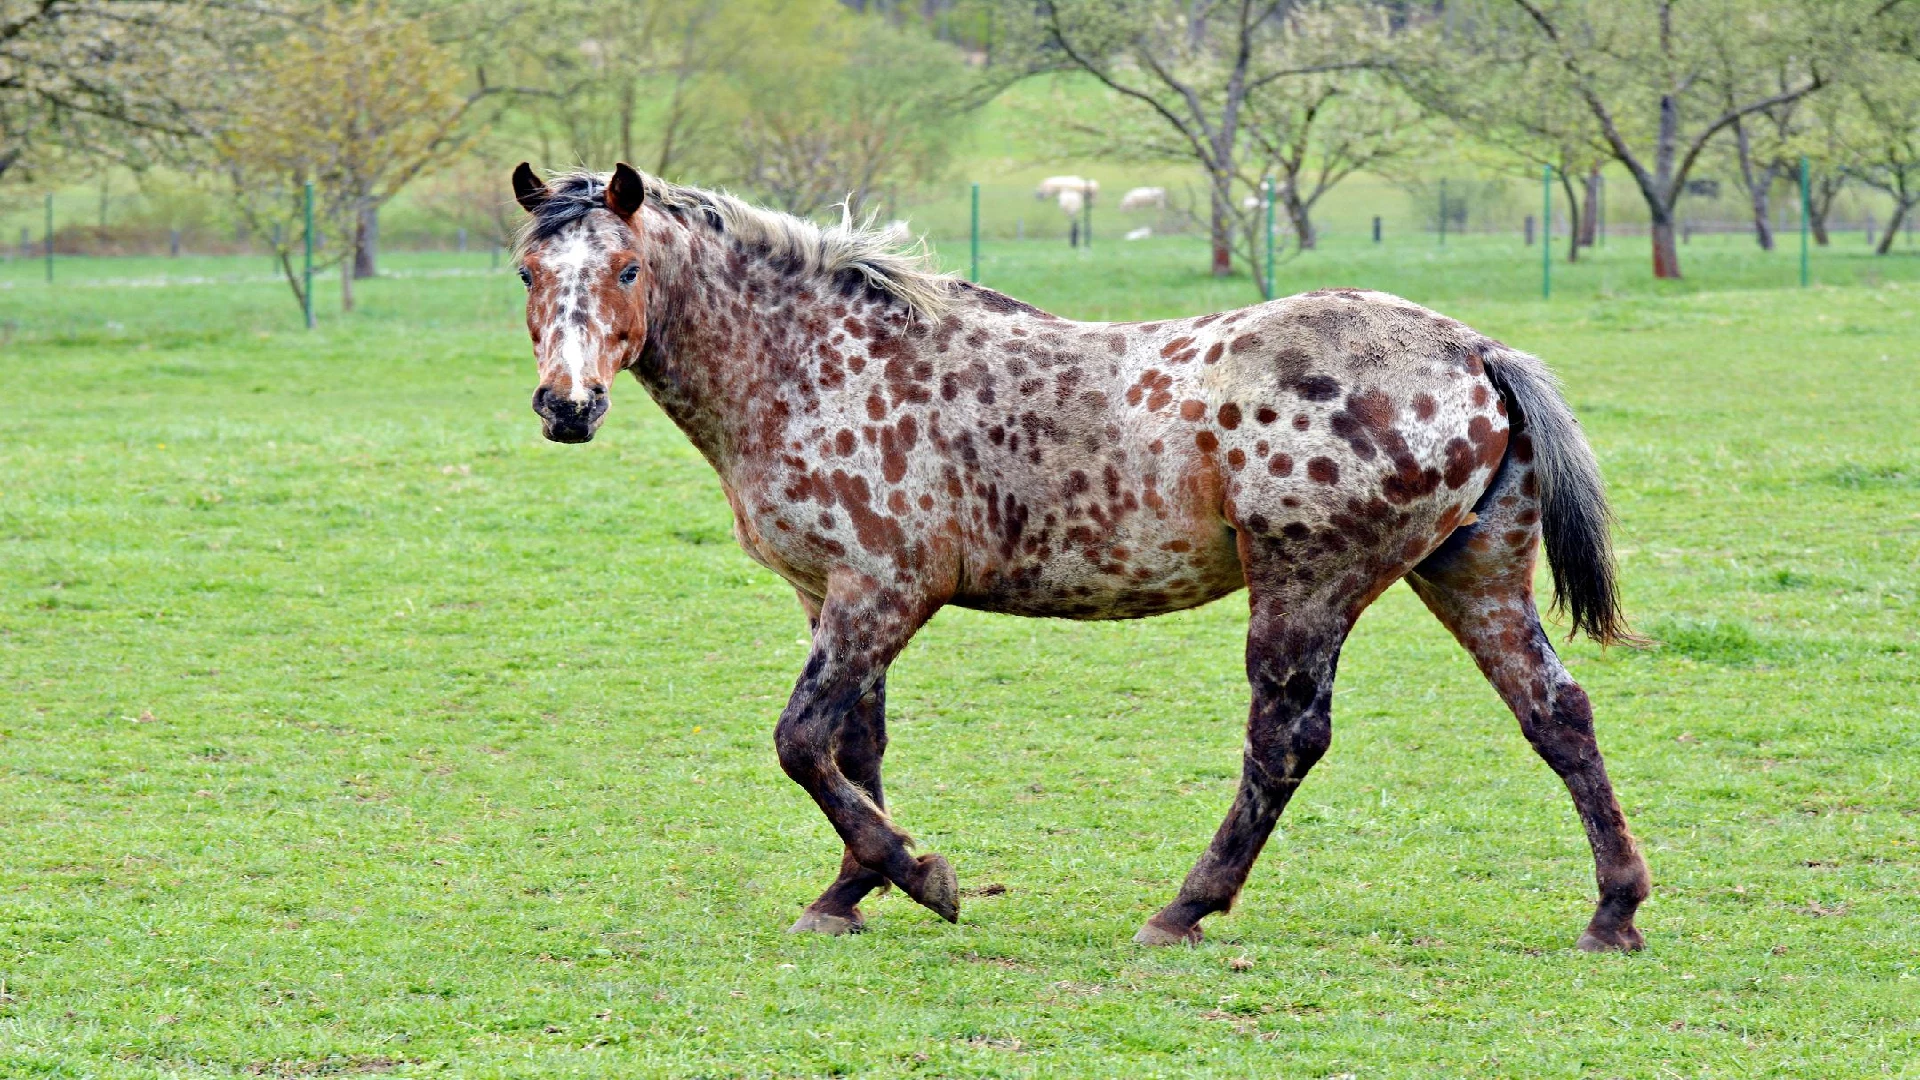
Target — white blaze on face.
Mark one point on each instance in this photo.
(577, 259)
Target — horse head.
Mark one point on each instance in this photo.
(583, 261)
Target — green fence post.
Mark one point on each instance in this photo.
(49, 238)
(307, 293)
(1267, 291)
(1086, 220)
(1546, 232)
(974, 273)
(1806, 212)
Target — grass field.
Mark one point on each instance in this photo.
(347, 727)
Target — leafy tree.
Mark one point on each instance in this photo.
(1504, 95)
(1881, 131)
(356, 99)
(636, 81)
(1194, 69)
(1313, 130)
(1656, 76)
(860, 109)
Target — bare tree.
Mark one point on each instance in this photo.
(1504, 92)
(1882, 130)
(1193, 65)
(100, 76)
(1638, 69)
(1312, 131)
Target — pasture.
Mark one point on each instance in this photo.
(347, 727)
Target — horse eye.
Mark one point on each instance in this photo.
(630, 275)
(526, 277)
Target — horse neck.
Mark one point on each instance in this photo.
(719, 327)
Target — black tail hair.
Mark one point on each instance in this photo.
(1573, 501)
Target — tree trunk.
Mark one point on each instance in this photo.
(346, 284)
(1821, 198)
(1589, 222)
(1759, 188)
(1301, 216)
(1576, 223)
(1900, 211)
(1222, 236)
(1666, 257)
(366, 240)
(1762, 191)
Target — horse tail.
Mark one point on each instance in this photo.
(1574, 514)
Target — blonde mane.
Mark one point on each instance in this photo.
(904, 272)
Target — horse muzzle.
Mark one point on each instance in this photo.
(565, 420)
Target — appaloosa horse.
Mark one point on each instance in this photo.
(892, 440)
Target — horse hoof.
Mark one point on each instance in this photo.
(936, 887)
(1618, 939)
(1157, 933)
(819, 922)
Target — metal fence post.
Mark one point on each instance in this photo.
(974, 273)
(1546, 232)
(49, 236)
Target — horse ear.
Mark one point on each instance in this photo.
(530, 190)
(625, 192)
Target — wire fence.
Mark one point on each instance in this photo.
(105, 222)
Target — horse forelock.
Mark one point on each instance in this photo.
(846, 250)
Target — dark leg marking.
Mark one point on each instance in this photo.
(1293, 647)
(861, 746)
(1485, 597)
(859, 630)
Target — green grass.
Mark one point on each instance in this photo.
(347, 727)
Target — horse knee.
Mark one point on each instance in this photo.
(1287, 748)
(801, 742)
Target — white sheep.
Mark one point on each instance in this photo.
(1144, 198)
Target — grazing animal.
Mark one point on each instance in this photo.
(1144, 198)
(1052, 186)
(892, 441)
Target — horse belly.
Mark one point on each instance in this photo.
(1136, 570)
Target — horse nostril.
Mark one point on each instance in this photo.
(543, 401)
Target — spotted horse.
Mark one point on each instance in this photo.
(893, 440)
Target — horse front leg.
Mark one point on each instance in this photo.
(827, 747)
(859, 750)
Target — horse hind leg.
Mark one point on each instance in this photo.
(1480, 585)
(1293, 647)
(858, 752)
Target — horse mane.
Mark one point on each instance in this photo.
(848, 251)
